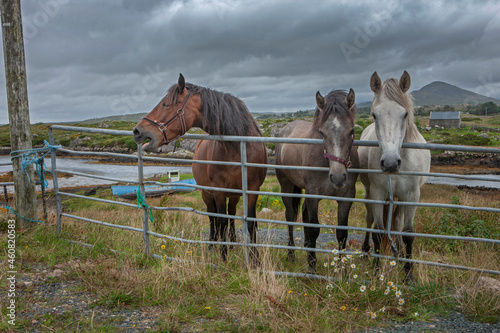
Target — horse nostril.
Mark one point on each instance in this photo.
(399, 162)
(382, 164)
(136, 132)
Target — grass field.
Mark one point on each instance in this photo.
(229, 297)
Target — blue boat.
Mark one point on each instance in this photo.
(130, 191)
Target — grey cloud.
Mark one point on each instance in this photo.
(94, 58)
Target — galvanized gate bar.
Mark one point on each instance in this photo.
(113, 202)
(401, 203)
(245, 191)
(145, 215)
(102, 223)
(428, 146)
(244, 194)
(54, 181)
(389, 215)
(90, 130)
(97, 153)
(119, 180)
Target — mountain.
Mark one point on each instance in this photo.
(442, 93)
(136, 117)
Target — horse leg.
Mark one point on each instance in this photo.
(377, 211)
(398, 226)
(295, 211)
(344, 207)
(369, 223)
(231, 210)
(408, 240)
(291, 207)
(210, 203)
(221, 222)
(310, 215)
(252, 227)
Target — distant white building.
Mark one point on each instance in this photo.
(445, 119)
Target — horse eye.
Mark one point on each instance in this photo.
(406, 114)
(165, 104)
(373, 115)
(321, 132)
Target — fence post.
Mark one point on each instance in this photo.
(143, 191)
(389, 215)
(17, 103)
(54, 179)
(244, 189)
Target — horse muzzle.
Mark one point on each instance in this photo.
(140, 136)
(339, 180)
(390, 165)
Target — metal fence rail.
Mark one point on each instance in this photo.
(244, 191)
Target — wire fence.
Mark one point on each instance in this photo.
(245, 192)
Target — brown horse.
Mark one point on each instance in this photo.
(187, 105)
(334, 123)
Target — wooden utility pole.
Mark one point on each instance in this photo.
(17, 100)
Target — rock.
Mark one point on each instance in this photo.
(484, 135)
(488, 284)
(166, 149)
(266, 210)
(188, 144)
(56, 273)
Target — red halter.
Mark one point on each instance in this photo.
(162, 127)
(347, 162)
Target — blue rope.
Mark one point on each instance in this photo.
(32, 156)
(21, 217)
(141, 201)
(29, 157)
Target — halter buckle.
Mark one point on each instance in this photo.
(162, 127)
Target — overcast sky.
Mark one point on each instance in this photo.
(97, 58)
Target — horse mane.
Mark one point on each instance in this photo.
(334, 103)
(393, 92)
(223, 114)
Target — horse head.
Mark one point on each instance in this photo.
(175, 114)
(391, 110)
(334, 120)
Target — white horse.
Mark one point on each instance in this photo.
(392, 111)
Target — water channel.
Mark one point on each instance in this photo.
(129, 173)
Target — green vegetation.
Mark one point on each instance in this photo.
(484, 109)
(270, 124)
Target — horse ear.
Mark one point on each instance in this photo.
(320, 101)
(375, 83)
(181, 83)
(405, 81)
(350, 99)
